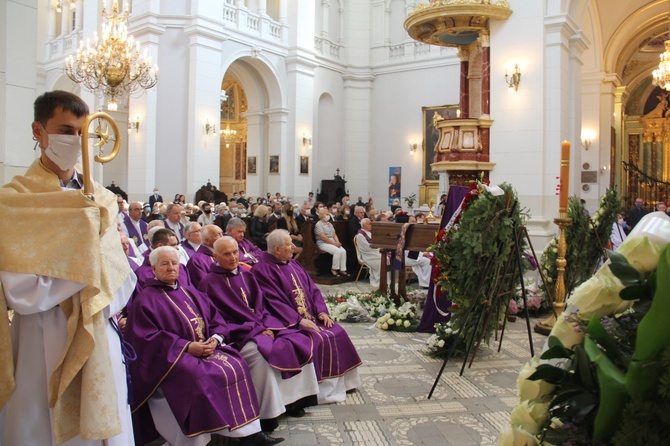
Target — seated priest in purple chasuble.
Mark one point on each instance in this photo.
(250, 254)
(159, 237)
(261, 338)
(200, 263)
(291, 297)
(186, 381)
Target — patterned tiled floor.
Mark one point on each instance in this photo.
(392, 407)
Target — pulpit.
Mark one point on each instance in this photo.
(332, 190)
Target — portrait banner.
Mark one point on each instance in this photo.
(395, 174)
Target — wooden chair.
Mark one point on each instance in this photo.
(362, 266)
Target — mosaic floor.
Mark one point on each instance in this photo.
(392, 406)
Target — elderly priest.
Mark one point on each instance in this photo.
(185, 375)
(292, 297)
(261, 338)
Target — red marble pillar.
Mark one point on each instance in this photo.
(486, 78)
(464, 102)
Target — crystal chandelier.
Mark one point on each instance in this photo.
(661, 75)
(228, 135)
(114, 65)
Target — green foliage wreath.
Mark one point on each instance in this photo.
(483, 233)
(585, 237)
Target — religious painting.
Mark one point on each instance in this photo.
(431, 135)
(251, 164)
(274, 163)
(395, 174)
(304, 165)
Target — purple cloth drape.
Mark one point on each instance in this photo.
(430, 315)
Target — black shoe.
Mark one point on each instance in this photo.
(269, 425)
(297, 413)
(259, 439)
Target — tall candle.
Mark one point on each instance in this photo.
(565, 180)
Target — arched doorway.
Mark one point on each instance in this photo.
(252, 107)
(233, 136)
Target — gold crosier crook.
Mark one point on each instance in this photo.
(104, 138)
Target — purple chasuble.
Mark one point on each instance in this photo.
(204, 394)
(249, 253)
(145, 274)
(132, 231)
(199, 264)
(190, 250)
(240, 302)
(289, 295)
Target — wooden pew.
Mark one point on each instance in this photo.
(318, 263)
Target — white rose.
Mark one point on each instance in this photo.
(394, 312)
(440, 343)
(412, 314)
(529, 416)
(390, 321)
(641, 253)
(513, 436)
(535, 391)
(407, 324)
(385, 326)
(598, 296)
(656, 226)
(398, 322)
(569, 333)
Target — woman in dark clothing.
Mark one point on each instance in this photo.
(289, 223)
(258, 227)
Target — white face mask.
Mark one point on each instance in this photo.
(63, 150)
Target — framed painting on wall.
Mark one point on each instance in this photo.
(274, 164)
(251, 164)
(431, 135)
(304, 165)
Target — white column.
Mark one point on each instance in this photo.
(64, 16)
(277, 131)
(300, 65)
(557, 122)
(578, 44)
(357, 138)
(53, 16)
(79, 15)
(325, 18)
(143, 146)
(262, 8)
(204, 90)
(257, 184)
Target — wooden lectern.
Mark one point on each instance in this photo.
(385, 237)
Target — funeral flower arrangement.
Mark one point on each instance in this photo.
(585, 237)
(366, 307)
(480, 231)
(605, 377)
(402, 318)
(438, 342)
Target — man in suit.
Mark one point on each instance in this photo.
(155, 198)
(355, 221)
(304, 214)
